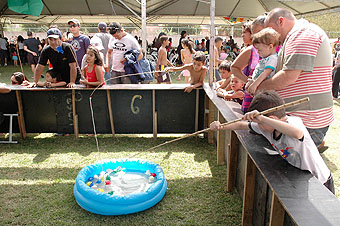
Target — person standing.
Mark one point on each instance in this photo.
(304, 70)
(79, 42)
(120, 44)
(3, 51)
(32, 47)
(184, 34)
(105, 38)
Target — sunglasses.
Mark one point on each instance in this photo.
(73, 25)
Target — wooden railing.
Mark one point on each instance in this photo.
(273, 192)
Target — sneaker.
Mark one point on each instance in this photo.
(322, 147)
(5, 65)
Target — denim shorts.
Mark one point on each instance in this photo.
(318, 134)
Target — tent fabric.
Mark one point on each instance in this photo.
(175, 11)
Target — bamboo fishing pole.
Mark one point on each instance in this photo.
(283, 106)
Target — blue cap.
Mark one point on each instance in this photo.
(54, 33)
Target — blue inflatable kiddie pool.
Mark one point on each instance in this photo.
(120, 186)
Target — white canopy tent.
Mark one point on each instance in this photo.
(141, 12)
(160, 11)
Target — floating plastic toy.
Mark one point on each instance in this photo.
(120, 186)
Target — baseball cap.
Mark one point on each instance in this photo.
(102, 26)
(54, 33)
(114, 27)
(75, 21)
(97, 43)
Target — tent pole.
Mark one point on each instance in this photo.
(212, 42)
(144, 25)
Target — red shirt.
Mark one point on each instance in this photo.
(91, 76)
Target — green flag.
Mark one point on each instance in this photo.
(30, 7)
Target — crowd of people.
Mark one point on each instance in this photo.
(282, 60)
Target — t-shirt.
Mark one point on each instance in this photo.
(119, 47)
(307, 48)
(3, 44)
(105, 37)
(32, 44)
(80, 45)
(301, 153)
(60, 61)
(268, 62)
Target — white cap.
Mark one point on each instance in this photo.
(97, 43)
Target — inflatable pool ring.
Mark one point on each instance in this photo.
(115, 202)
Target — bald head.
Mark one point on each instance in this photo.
(281, 20)
(276, 13)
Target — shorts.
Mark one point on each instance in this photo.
(162, 76)
(3, 54)
(118, 77)
(14, 57)
(186, 73)
(32, 59)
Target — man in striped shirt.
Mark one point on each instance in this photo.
(304, 70)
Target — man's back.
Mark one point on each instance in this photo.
(32, 44)
(105, 38)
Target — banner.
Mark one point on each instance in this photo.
(29, 7)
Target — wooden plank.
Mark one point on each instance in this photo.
(74, 113)
(197, 109)
(248, 194)
(277, 212)
(154, 115)
(21, 119)
(109, 106)
(232, 161)
(211, 118)
(221, 142)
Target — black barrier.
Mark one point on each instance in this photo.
(134, 109)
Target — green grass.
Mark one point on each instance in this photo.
(38, 174)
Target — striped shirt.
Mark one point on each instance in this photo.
(307, 48)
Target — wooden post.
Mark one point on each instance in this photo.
(221, 145)
(21, 119)
(154, 115)
(211, 118)
(248, 194)
(277, 212)
(197, 109)
(143, 10)
(75, 116)
(206, 114)
(110, 112)
(212, 42)
(232, 161)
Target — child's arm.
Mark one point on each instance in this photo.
(252, 87)
(225, 83)
(42, 84)
(173, 69)
(277, 124)
(239, 94)
(241, 125)
(58, 84)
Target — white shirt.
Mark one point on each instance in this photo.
(301, 154)
(119, 47)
